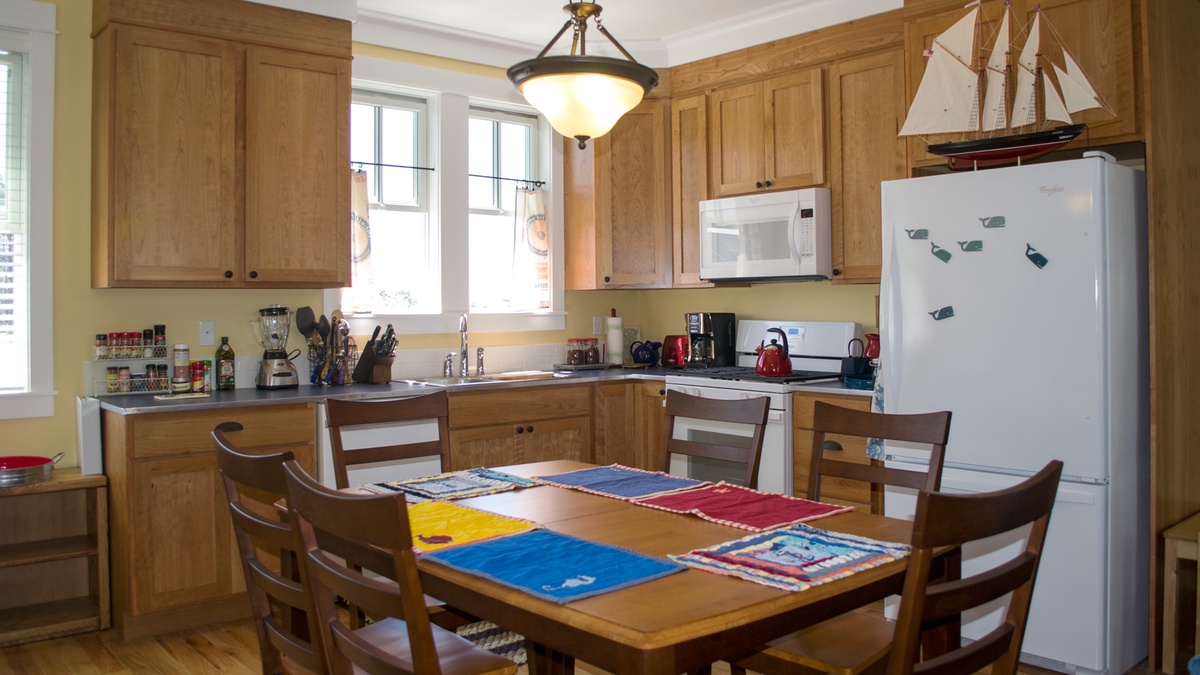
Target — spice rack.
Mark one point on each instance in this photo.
(138, 382)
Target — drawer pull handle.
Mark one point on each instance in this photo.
(831, 446)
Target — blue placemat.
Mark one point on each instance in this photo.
(555, 566)
(621, 482)
(458, 484)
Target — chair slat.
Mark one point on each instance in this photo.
(750, 412)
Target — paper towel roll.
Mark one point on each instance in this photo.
(616, 340)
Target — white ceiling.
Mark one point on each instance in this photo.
(657, 32)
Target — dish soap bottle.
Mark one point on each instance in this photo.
(225, 366)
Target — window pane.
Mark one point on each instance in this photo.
(406, 269)
(398, 147)
(14, 199)
(363, 144)
(481, 161)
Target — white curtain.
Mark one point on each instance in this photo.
(358, 298)
(531, 254)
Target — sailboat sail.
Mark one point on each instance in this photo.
(945, 101)
(1077, 90)
(1025, 104)
(995, 95)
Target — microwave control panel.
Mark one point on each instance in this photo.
(808, 232)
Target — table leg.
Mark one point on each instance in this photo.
(546, 661)
(1170, 591)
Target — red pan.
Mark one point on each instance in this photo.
(26, 469)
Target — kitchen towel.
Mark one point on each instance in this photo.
(742, 507)
(457, 484)
(437, 525)
(554, 566)
(794, 559)
(621, 482)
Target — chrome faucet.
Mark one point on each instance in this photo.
(448, 365)
(463, 369)
(479, 362)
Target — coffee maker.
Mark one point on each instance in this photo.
(275, 371)
(711, 336)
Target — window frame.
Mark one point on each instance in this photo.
(450, 96)
(37, 21)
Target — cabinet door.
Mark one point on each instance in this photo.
(483, 446)
(795, 123)
(613, 414)
(183, 549)
(545, 440)
(168, 214)
(297, 169)
(835, 490)
(648, 422)
(736, 134)
(633, 210)
(689, 186)
(866, 104)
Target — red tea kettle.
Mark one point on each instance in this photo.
(773, 359)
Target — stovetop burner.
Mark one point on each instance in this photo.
(745, 373)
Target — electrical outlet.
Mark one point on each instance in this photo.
(207, 330)
(597, 325)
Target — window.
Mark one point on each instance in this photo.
(442, 242)
(26, 175)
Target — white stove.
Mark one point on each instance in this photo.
(815, 349)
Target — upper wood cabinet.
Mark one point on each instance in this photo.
(767, 135)
(219, 161)
(866, 109)
(689, 185)
(1098, 33)
(617, 204)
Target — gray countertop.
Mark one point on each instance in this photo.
(136, 404)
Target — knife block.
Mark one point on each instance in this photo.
(381, 370)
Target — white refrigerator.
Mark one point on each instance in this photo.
(1017, 298)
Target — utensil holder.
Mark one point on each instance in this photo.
(343, 368)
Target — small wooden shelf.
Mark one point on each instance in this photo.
(54, 577)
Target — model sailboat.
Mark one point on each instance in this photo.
(1007, 124)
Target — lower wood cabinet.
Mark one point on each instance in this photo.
(174, 559)
(854, 449)
(628, 422)
(521, 424)
(54, 557)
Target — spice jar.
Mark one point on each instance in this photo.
(123, 379)
(101, 346)
(112, 379)
(183, 362)
(591, 350)
(576, 352)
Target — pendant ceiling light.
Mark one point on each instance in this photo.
(582, 96)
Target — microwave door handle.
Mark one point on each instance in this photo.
(794, 237)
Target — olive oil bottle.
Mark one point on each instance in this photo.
(225, 366)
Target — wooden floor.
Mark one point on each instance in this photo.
(228, 648)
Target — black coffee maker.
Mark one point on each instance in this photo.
(712, 339)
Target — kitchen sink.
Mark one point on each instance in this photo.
(515, 376)
(448, 381)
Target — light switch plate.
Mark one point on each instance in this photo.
(207, 330)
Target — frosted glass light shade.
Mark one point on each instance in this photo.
(582, 104)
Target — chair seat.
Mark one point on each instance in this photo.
(851, 644)
(457, 655)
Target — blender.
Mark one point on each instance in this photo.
(275, 371)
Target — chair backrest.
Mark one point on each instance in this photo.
(927, 428)
(253, 484)
(361, 522)
(341, 413)
(951, 520)
(746, 450)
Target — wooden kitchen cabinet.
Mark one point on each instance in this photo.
(617, 204)
(767, 135)
(54, 557)
(834, 490)
(628, 421)
(866, 110)
(220, 146)
(1100, 34)
(689, 186)
(522, 424)
(174, 559)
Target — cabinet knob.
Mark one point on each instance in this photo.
(228, 274)
(662, 392)
(520, 430)
(768, 183)
(758, 184)
(253, 275)
(529, 429)
(607, 279)
(837, 272)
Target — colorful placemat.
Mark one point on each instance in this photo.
(554, 566)
(496, 640)
(794, 558)
(621, 482)
(458, 484)
(436, 525)
(742, 507)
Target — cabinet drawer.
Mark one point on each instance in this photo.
(802, 406)
(854, 449)
(485, 408)
(165, 434)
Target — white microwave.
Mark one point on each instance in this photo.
(774, 235)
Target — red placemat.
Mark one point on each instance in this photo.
(742, 507)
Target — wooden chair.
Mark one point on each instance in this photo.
(853, 642)
(340, 413)
(948, 520)
(253, 484)
(929, 428)
(401, 639)
(748, 411)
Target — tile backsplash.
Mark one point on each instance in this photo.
(412, 363)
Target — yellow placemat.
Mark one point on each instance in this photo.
(436, 525)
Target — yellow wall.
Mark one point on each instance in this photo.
(80, 311)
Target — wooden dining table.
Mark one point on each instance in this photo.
(672, 624)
